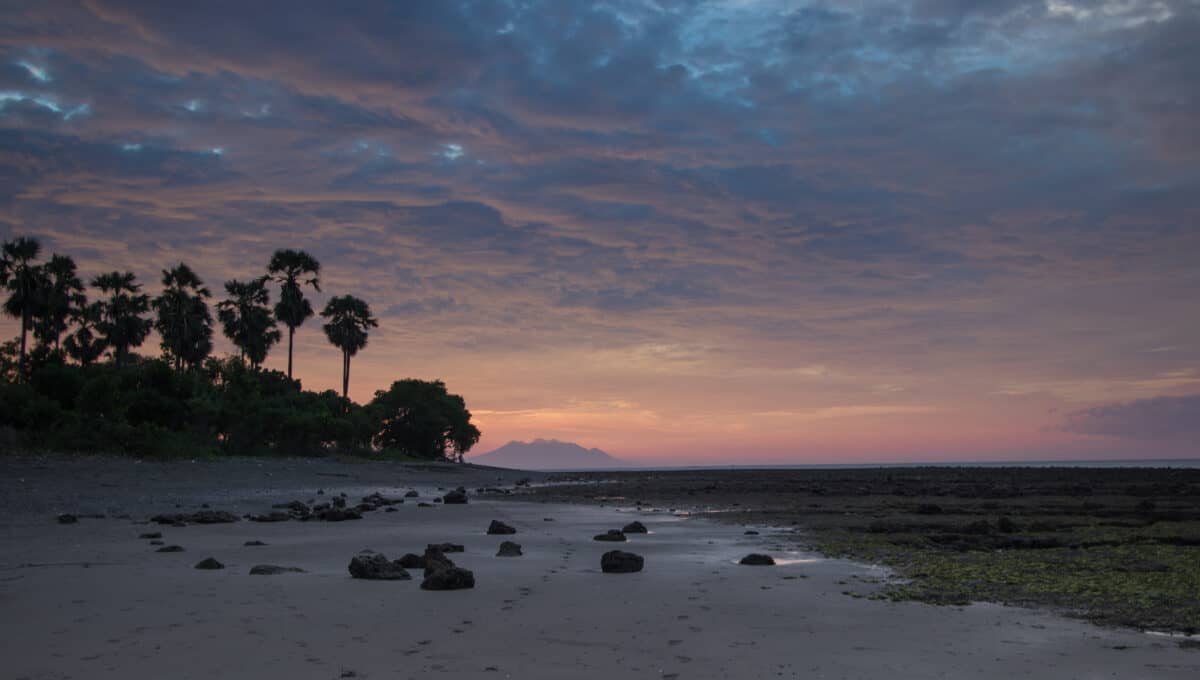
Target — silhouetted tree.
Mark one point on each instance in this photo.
(350, 321)
(289, 268)
(183, 320)
(61, 291)
(86, 345)
(23, 279)
(246, 319)
(122, 313)
(420, 418)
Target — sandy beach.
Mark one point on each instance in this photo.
(92, 600)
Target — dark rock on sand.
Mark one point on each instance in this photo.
(339, 502)
(157, 542)
(456, 497)
(435, 560)
(614, 535)
(201, 517)
(500, 528)
(170, 548)
(750, 532)
(412, 561)
(445, 547)
(423, 504)
(209, 563)
(411, 493)
(509, 549)
(338, 515)
(757, 560)
(67, 518)
(377, 568)
(273, 569)
(297, 509)
(452, 578)
(250, 544)
(634, 528)
(272, 517)
(389, 509)
(620, 562)
(439, 500)
(149, 536)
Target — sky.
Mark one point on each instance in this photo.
(682, 231)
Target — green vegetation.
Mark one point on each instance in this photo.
(63, 396)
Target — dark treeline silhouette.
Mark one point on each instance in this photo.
(60, 394)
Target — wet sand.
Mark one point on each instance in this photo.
(692, 613)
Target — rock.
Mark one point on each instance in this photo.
(524, 481)
(209, 563)
(620, 562)
(423, 504)
(67, 518)
(170, 548)
(380, 501)
(272, 517)
(509, 549)
(634, 528)
(273, 569)
(411, 493)
(297, 509)
(339, 502)
(389, 509)
(157, 542)
(149, 536)
(750, 532)
(757, 560)
(320, 492)
(456, 497)
(412, 561)
(615, 535)
(547, 519)
(338, 515)
(500, 528)
(437, 500)
(435, 560)
(452, 578)
(445, 547)
(202, 517)
(377, 568)
(250, 544)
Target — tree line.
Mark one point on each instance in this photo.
(61, 391)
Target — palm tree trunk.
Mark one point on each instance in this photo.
(291, 334)
(21, 368)
(345, 373)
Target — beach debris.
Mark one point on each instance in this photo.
(170, 549)
(500, 528)
(621, 562)
(509, 549)
(757, 560)
(273, 570)
(209, 563)
(377, 567)
(614, 535)
(67, 518)
(451, 578)
(634, 527)
(201, 517)
(150, 535)
(250, 544)
(455, 497)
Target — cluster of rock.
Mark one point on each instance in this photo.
(440, 572)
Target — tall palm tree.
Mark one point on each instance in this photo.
(292, 269)
(183, 320)
(85, 345)
(246, 319)
(122, 324)
(61, 291)
(22, 278)
(349, 322)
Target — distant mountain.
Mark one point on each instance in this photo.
(546, 454)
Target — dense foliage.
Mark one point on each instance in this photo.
(61, 394)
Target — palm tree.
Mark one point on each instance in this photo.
(349, 321)
(61, 291)
(246, 319)
(288, 268)
(22, 278)
(183, 320)
(122, 325)
(85, 345)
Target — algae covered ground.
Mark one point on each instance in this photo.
(1117, 546)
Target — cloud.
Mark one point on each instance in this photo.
(1158, 418)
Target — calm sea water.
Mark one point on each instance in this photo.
(1190, 463)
